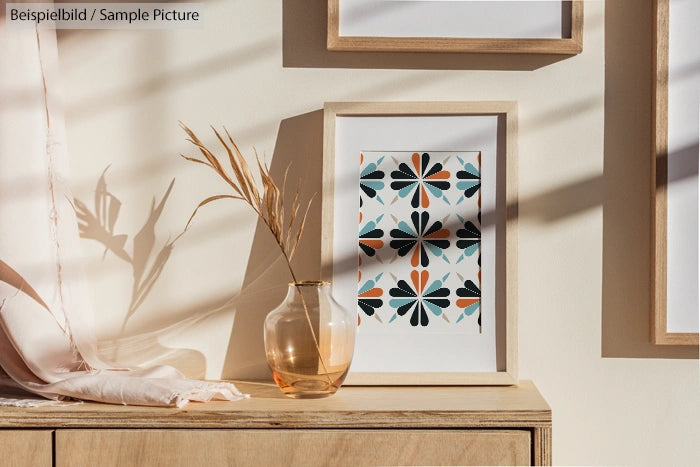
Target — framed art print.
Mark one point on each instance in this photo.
(419, 235)
(674, 233)
(485, 26)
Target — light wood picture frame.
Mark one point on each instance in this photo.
(408, 26)
(431, 266)
(668, 175)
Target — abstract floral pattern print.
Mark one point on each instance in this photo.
(371, 237)
(469, 239)
(371, 179)
(419, 299)
(420, 238)
(369, 296)
(419, 241)
(419, 179)
(469, 300)
(469, 179)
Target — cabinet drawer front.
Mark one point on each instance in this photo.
(292, 447)
(31, 448)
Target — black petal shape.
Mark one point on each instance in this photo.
(464, 175)
(469, 192)
(398, 233)
(470, 290)
(403, 290)
(464, 244)
(369, 251)
(368, 305)
(399, 184)
(371, 192)
(469, 231)
(403, 309)
(424, 161)
(403, 246)
(440, 184)
(404, 172)
(433, 170)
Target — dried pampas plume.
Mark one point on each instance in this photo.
(268, 204)
(286, 225)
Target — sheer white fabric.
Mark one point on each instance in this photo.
(47, 338)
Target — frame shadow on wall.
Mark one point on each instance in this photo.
(304, 46)
(626, 304)
(299, 146)
(623, 190)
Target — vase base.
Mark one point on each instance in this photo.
(309, 395)
(298, 386)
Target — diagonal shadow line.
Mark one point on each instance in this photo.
(244, 356)
(627, 249)
(304, 24)
(167, 81)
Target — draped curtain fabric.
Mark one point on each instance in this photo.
(47, 338)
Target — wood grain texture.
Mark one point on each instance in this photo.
(659, 181)
(564, 46)
(352, 407)
(508, 212)
(292, 447)
(542, 446)
(25, 448)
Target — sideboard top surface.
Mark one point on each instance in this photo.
(351, 407)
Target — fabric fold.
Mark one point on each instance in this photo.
(48, 343)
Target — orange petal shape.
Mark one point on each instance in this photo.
(442, 233)
(375, 292)
(414, 257)
(424, 201)
(465, 302)
(441, 175)
(376, 244)
(415, 158)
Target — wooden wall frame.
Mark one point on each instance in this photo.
(659, 181)
(570, 44)
(501, 223)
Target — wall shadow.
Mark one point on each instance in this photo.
(299, 142)
(304, 46)
(627, 245)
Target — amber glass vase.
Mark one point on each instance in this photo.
(309, 341)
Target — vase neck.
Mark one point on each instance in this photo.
(310, 290)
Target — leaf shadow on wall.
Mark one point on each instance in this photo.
(299, 143)
(627, 248)
(304, 46)
(147, 263)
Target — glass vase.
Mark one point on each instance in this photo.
(309, 341)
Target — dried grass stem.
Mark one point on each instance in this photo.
(269, 203)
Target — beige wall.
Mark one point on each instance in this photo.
(260, 68)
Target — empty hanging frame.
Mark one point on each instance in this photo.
(674, 236)
(473, 26)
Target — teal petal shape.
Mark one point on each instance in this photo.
(407, 190)
(436, 310)
(398, 302)
(373, 184)
(433, 249)
(471, 309)
(370, 226)
(471, 250)
(472, 170)
(432, 287)
(406, 228)
(437, 192)
(467, 184)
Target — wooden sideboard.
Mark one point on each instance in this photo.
(357, 426)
